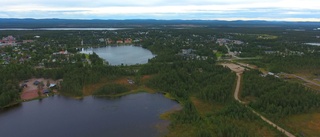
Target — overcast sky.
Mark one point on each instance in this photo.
(275, 10)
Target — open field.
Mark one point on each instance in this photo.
(89, 89)
(307, 125)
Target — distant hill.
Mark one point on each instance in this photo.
(73, 23)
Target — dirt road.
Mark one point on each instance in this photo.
(306, 80)
(237, 90)
(236, 97)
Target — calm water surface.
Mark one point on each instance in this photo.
(126, 55)
(135, 115)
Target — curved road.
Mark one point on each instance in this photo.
(236, 97)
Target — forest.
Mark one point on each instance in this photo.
(277, 98)
(217, 114)
(202, 86)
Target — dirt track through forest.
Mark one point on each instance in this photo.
(238, 69)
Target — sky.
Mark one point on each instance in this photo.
(271, 10)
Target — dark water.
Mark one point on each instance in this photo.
(135, 115)
(126, 55)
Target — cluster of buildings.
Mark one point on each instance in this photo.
(120, 41)
(10, 40)
(286, 53)
(224, 41)
(189, 54)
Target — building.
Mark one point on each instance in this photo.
(222, 41)
(186, 51)
(109, 41)
(27, 41)
(101, 40)
(36, 82)
(237, 42)
(61, 53)
(128, 41)
(52, 85)
(119, 41)
(10, 40)
(46, 91)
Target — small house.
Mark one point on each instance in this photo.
(24, 85)
(270, 73)
(45, 91)
(52, 85)
(130, 81)
(36, 82)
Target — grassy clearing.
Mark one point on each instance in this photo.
(219, 54)
(205, 108)
(266, 36)
(132, 88)
(304, 124)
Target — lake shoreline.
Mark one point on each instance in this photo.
(150, 103)
(123, 54)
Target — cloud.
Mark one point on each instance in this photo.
(163, 9)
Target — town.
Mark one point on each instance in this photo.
(196, 66)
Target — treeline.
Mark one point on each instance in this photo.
(77, 76)
(183, 78)
(292, 64)
(9, 82)
(111, 89)
(278, 98)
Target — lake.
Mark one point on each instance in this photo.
(135, 115)
(118, 55)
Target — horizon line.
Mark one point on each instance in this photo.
(228, 20)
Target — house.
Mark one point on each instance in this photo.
(101, 40)
(237, 42)
(109, 41)
(222, 41)
(270, 73)
(130, 81)
(137, 40)
(36, 82)
(186, 51)
(27, 41)
(119, 41)
(128, 41)
(46, 91)
(52, 85)
(270, 52)
(24, 85)
(61, 53)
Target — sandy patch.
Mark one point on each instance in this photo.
(234, 67)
